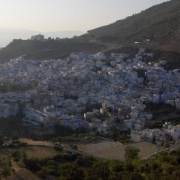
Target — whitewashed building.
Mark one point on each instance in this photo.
(35, 117)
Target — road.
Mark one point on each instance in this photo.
(176, 146)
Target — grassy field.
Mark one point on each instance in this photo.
(37, 143)
(40, 151)
(113, 150)
(98, 148)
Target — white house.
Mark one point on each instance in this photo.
(176, 133)
(148, 135)
(35, 117)
(136, 136)
(38, 37)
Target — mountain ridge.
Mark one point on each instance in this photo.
(160, 24)
(7, 35)
(157, 23)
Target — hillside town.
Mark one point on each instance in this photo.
(91, 91)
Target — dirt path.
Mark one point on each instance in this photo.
(37, 143)
(24, 174)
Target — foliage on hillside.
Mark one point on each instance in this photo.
(69, 166)
(172, 58)
(47, 49)
(158, 23)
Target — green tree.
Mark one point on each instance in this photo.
(43, 172)
(8, 161)
(101, 170)
(1, 140)
(113, 132)
(23, 156)
(71, 171)
(131, 153)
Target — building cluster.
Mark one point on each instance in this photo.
(38, 37)
(85, 90)
(165, 136)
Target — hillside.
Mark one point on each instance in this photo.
(47, 49)
(159, 23)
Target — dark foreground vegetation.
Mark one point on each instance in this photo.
(69, 166)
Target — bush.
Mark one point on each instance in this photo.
(33, 164)
(43, 172)
(58, 147)
(16, 155)
(6, 171)
(73, 146)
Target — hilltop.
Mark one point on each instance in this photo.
(8, 34)
(155, 28)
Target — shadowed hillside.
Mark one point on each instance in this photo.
(47, 49)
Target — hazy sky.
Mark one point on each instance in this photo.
(60, 15)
